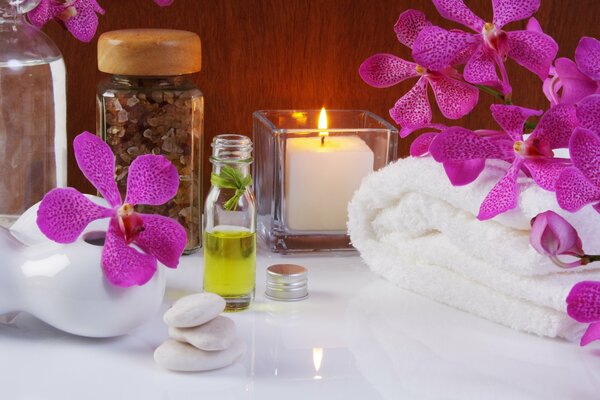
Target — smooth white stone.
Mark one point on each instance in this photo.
(179, 356)
(194, 310)
(217, 334)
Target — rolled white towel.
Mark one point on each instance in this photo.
(503, 241)
(405, 223)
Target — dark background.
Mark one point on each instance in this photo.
(280, 54)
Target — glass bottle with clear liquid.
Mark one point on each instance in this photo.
(230, 224)
(33, 142)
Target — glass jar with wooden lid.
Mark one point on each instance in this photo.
(148, 105)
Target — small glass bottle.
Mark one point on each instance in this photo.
(33, 112)
(230, 223)
(149, 106)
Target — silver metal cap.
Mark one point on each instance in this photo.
(287, 282)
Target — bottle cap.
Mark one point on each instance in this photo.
(287, 282)
(149, 52)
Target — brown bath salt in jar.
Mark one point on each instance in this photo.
(148, 106)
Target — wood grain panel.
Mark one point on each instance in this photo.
(275, 54)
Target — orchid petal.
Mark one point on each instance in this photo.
(532, 50)
(588, 113)
(454, 98)
(567, 239)
(546, 171)
(83, 25)
(591, 334)
(97, 162)
(41, 14)
(420, 146)
(506, 11)
(503, 196)
(64, 213)
(437, 48)
(587, 56)
(539, 225)
(573, 190)
(163, 238)
(552, 235)
(152, 180)
(123, 265)
(462, 173)
(457, 11)
(556, 126)
(533, 25)
(385, 70)
(584, 148)
(551, 86)
(405, 131)
(512, 118)
(413, 109)
(583, 302)
(460, 144)
(481, 68)
(409, 24)
(575, 85)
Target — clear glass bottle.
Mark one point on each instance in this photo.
(230, 223)
(33, 141)
(149, 106)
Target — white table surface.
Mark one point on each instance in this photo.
(376, 341)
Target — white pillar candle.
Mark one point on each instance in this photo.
(321, 179)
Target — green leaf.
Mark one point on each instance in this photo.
(231, 178)
(220, 182)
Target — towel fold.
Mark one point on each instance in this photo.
(412, 227)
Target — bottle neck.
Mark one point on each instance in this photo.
(242, 167)
(232, 150)
(14, 10)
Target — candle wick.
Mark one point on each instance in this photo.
(322, 140)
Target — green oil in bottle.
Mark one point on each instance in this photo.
(230, 265)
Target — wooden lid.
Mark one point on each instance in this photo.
(149, 52)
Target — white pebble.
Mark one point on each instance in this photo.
(218, 334)
(178, 356)
(194, 310)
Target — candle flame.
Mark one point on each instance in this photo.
(323, 125)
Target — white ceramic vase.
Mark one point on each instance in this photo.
(64, 285)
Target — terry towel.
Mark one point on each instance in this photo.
(417, 230)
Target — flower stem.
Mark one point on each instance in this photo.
(586, 259)
(491, 91)
(495, 93)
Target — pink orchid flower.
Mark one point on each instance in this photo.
(64, 213)
(488, 48)
(454, 97)
(573, 81)
(579, 185)
(78, 16)
(552, 236)
(583, 305)
(534, 155)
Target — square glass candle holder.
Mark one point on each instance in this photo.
(304, 177)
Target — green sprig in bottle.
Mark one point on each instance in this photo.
(230, 223)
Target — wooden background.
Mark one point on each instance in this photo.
(279, 54)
